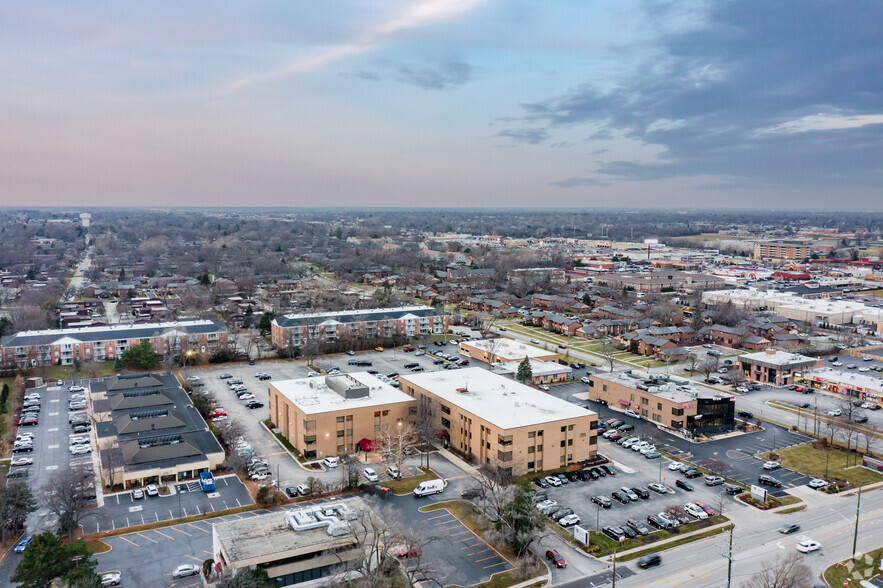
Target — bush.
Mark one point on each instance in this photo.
(4, 394)
(220, 357)
(262, 495)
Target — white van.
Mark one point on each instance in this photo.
(393, 471)
(429, 487)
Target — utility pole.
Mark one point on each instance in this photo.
(614, 567)
(858, 503)
(729, 556)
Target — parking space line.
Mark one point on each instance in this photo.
(502, 563)
(460, 533)
(180, 531)
(127, 541)
(163, 534)
(146, 537)
(481, 551)
(191, 557)
(470, 546)
(485, 559)
(439, 516)
(200, 528)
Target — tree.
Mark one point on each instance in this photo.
(525, 372)
(117, 364)
(16, 503)
(349, 472)
(735, 378)
(250, 578)
(709, 366)
(692, 361)
(607, 352)
(396, 443)
(141, 356)
(265, 324)
(64, 495)
(520, 524)
(47, 560)
(785, 572)
(248, 319)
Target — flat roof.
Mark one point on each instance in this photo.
(538, 368)
(264, 536)
(852, 379)
(495, 398)
(313, 396)
(778, 359)
(509, 350)
(672, 388)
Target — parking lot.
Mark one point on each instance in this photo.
(632, 470)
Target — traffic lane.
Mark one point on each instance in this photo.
(122, 510)
(820, 402)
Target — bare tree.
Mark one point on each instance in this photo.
(607, 352)
(709, 366)
(735, 378)
(787, 571)
(692, 361)
(396, 443)
(64, 496)
(349, 471)
(869, 441)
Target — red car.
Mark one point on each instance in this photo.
(217, 413)
(799, 389)
(412, 551)
(556, 558)
(708, 510)
(615, 437)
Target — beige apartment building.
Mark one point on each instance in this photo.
(502, 423)
(781, 250)
(330, 415)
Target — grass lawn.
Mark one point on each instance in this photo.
(406, 485)
(607, 544)
(808, 460)
(97, 546)
(865, 567)
(675, 543)
(792, 510)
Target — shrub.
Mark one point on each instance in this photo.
(262, 495)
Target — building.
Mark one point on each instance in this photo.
(781, 250)
(303, 547)
(294, 330)
(148, 432)
(332, 415)
(859, 386)
(504, 350)
(659, 281)
(64, 346)
(501, 423)
(542, 372)
(667, 401)
(774, 366)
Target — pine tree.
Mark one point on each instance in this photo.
(525, 372)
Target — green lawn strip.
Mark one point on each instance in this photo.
(808, 460)
(404, 486)
(866, 567)
(792, 510)
(97, 546)
(675, 543)
(281, 438)
(788, 499)
(607, 544)
(822, 418)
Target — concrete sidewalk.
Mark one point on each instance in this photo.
(609, 558)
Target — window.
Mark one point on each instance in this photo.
(385, 413)
(309, 425)
(531, 449)
(531, 434)
(445, 409)
(309, 439)
(504, 455)
(446, 423)
(540, 447)
(530, 465)
(539, 464)
(340, 419)
(507, 440)
(570, 442)
(677, 411)
(604, 387)
(594, 425)
(569, 427)
(340, 433)
(569, 457)
(563, 459)
(658, 406)
(349, 418)
(593, 440)
(539, 433)
(645, 401)
(632, 397)
(349, 432)
(563, 429)
(377, 414)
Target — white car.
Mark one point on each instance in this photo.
(646, 450)
(80, 449)
(771, 465)
(837, 363)
(569, 520)
(585, 380)
(545, 504)
(868, 405)
(185, 571)
(817, 483)
(111, 579)
(808, 546)
(864, 369)
(330, 462)
(553, 481)
(695, 511)
(370, 475)
(79, 440)
(675, 466)
(152, 490)
(219, 418)
(632, 414)
(629, 442)
(640, 445)
(192, 378)
(742, 389)
(260, 475)
(32, 396)
(22, 461)
(544, 388)
(137, 494)
(247, 396)
(835, 412)
(534, 341)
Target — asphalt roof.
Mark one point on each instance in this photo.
(109, 332)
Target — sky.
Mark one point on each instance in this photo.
(633, 103)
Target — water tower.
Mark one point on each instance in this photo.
(85, 219)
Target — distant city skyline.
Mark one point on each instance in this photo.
(442, 103)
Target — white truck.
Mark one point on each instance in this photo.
(429, 487)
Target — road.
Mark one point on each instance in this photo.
(757, 542)
(77, 282)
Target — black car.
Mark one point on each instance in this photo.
(638, 526)
(768, 481)
(733, 489)
(583, 475)
(620, 496)
(601, 472)
(653, 559)
(641, 492)
(657, 522)
(541, 482)
(789, 528)
(602, 501)
(860, 419)
(560, 514)
(572, 476)
(614, 533)
(629, 532)
(411, 365)
(291, 492)
(540, 496)
(474, 492)
(755, 387)
(608, 469)
(803, 405)
(438, 361)
(684, 485)
(563, 478)
(745, 414)
(693, 473)
(393, 375)
(593, 474)
(253, 404)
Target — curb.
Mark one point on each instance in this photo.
(285, 449)
(609, 558)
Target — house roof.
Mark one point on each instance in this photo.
(356, 316)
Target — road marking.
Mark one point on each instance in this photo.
(502, 563)
(438, 516)
(482, 551)
(53, 414)
(213, 495)
(456, 477)
(163, 534)
(52, 446)
(180, 531)
(135, 508)
(52, 467)
(146, 537)
(127, 541)
(485, 559)
(191, 557)
(460, 533)
(52, 430)
(200, 528)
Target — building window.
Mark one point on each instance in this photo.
(563, 429)
(309, 425)
(531, 449)
(504, 455)
(563, 459)
(340, 419)
(377, 414)
(604, 387)
(632, 397)
(507, 440)
(445, 409)
(570, 442)
(531, 435)
(658, 406)
(309, 439)
(340, 433)
(540, 447)
(677, 411)
(569, 457)
(446, 423)
(645, 401)
(569, 427)
(539, 433)
(530, 465)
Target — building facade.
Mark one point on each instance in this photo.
(504, 350)
(501, 423)
(331, 415)
(781, 250)
(295, 330)
(667, 401)
(64, 346)
(776, 367)
(860, 386)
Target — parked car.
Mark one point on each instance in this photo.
(553, 480)
(733, 489)
(370, 474)
(768, 481)
(638, 527)
(817, 483)
(137, 494)
(771, 465)
(541, 482)
(474, 492)
(111, 579)
(152, 490)
(713, 480)
(620, 497)
(330, 462)
(695, 511)
(602, 501)
(185, 571)
(658, 488)
(556, 558)
(683, 484)
(614, 533)
(693, 473)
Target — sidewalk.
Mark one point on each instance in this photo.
(609, 558)
(471, 470)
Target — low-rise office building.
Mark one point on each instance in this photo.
(295, 330)
(64, 346)
(660, 281)
(502, 423)
(504, 350)
(668, 401)
(772, 366)
(330, 415)
(541, 372)
(306, 547)
(148, 431)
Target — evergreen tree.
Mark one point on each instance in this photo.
(525, 372)
(117, 364)
(47, 559)
(265, 323)
(139, 356)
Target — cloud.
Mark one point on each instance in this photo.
(420, 15)
(529, 136)
(444, 76)
(579, 182)
(736, 93)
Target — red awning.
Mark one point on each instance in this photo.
(625, 402)
(442, 434)
(368, 445)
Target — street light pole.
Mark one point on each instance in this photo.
(858, 503)
(729, 557)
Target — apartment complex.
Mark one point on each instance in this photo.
(307, 547)
(502, 423)
(668, 401)
(64, 346)
(148, 432)
(294, 330)
(332, 415)
(781, 250)
(776, 367)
